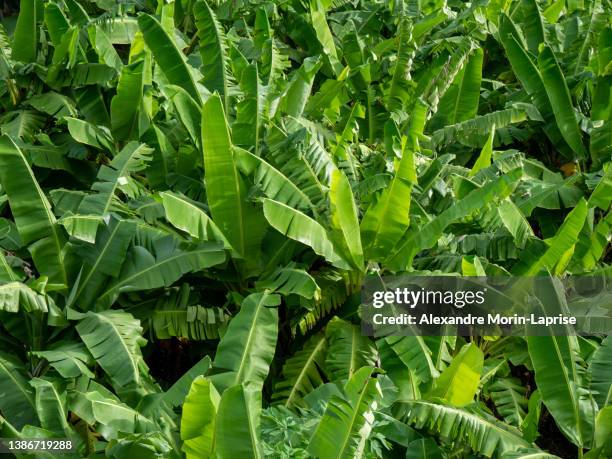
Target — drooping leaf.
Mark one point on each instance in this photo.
(300, 227)
(15, 296)
(483, 434)
(32, 212)
(116, 176)
(189, 217)
(69, 359)
(114, 339)
(143, 271)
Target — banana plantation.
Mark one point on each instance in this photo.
(193, 193)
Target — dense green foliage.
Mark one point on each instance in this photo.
(192, 193)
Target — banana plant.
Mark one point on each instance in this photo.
(193, 193)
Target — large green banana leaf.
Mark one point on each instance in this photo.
(82, 227)
(102, 259)
(533, 25)
(248, 127)
(273, 182)
(114, 339)
(347, 419)
(51, 404)
(239, 220)
(460, 102)
(187, 109)
(302, 372)
(560, 100)
(387, 219)
(532, 80)
(237, 432)
(399, 90)
(16, 396)
(115, 176)
(300, 227)
(564, 240)
(247, 348)
(125, 105)
(413, 353)
(100, 41)
(291, 281)
(32, 212)
(25, 38)
(590, 249)
(69, 359)
(56, 22)
(510, 402)
(348, 349)
(213, 49)
(483, 434)
(324, 35)
(198, 419)
(429, 234)
(16, 296)
(344, 222)
(561, 384)
(90, 134)
(7, 274)
(561, 380)
(295, 97)
(189, 217)
(99, 407)
(167, 55)
(175, 395)
(459, 382)
(142, 270)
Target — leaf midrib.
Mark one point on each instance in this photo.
(309, 360)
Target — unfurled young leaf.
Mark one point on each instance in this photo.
(459, 381)
(226, 190)
(125, 105)
(198, 421)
